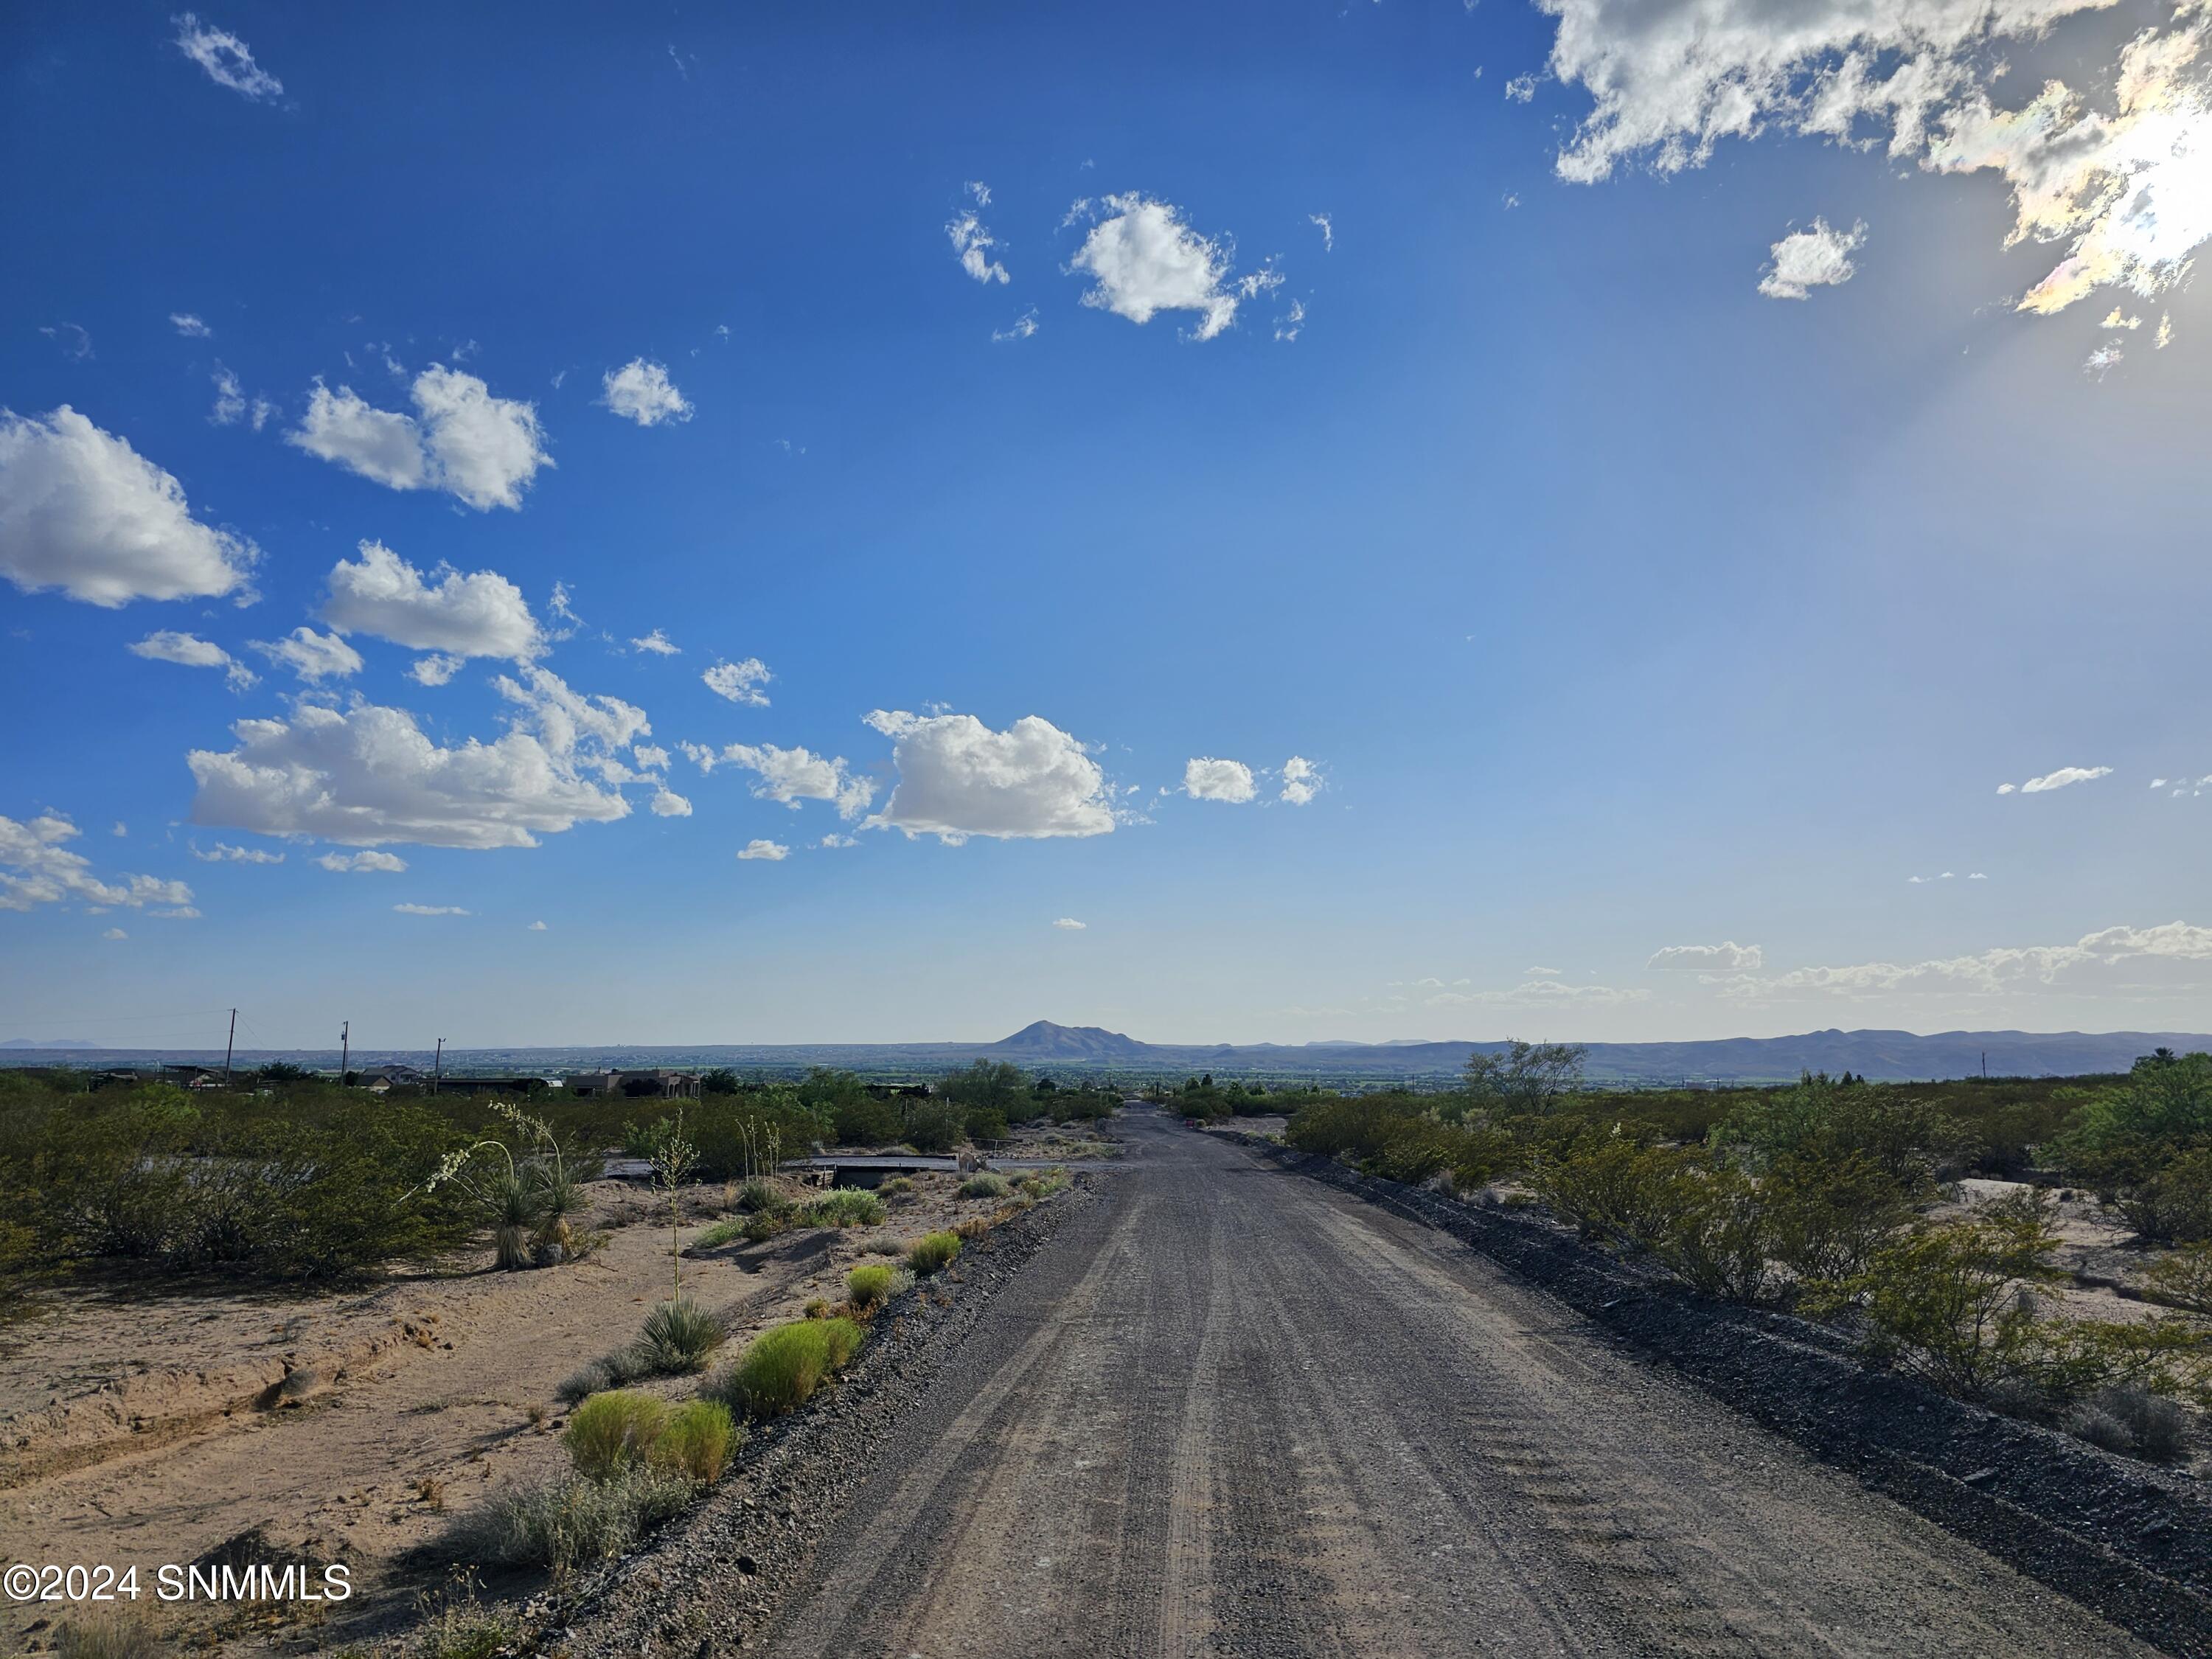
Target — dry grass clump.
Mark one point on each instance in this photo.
(573, 1521)
(896, 1187)
(2133, 1422)
(985, 1184)
(848, 1207)
(932, 1252)
(973, 1227)
(868, 1288)
(106, 1633)
(784, 1365)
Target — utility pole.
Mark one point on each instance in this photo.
(346, 1049)
(1986, 1066)
(229, 1045)
(438, 1067)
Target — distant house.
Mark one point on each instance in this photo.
(396, 1075)
(635, 1085)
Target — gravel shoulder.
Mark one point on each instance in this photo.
(1229, 1410)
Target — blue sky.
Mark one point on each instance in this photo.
(1656, 512)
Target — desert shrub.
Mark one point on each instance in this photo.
(818, 1307)
(2183, 1278)
(936, 1126)
(847, 1206)
(678, 1338)
(2173, 1203)
(1714, 1234)
(697, 1440)
(971, 1227)
(2076, 1359)
(1908, 1140)
(611, 1430)
(985, 1184)
(2156, 1428)
(984, 1125)
(932, 1252)
(896, 1187)
(868, 1288)
(2122, 1135)
(1613, 1186)
(2100, 1428)
(727, 1230)
(1358, 1126)
(1827, 1216)
(583, 1381)
(1941, 1302)
(106, 1633)
(574, 1521)
(780, 1369)
(758, 1195)
(1044, 1184)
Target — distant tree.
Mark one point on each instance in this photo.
(990, 1086)
(1045, 1086)
(719, 1081)
(282, 1070)
(1526, 1077)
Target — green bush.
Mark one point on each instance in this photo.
(847, 1206)
(678, 1338)
(2183, 1278)
(1044, 1184)
(576, 1520)
(697, 1440)
(758, 1196)
(727, 1230)
(1716, 1235)
(611, 1430)
(936, 1126)
(2123, 1135)
(896, 1187)
(781, 1368)
(1827, 1216)
(985, 1184)
(2173, 1203)
(869, 1287)
(1907, 1139)
(931, 1252)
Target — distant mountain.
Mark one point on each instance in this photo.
(1044, 1041)
(51, 1042)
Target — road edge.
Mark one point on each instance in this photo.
(2131, 1542)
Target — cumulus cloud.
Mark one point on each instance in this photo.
(667, 804)
(1020, 329)
(314, 657)
(958, 778)
(835, 840)
(1818, 256)
(436, 669)
(188, 325)
(971, 243)
(2163, 958)
(1071, 925)
(1728, 957)
(792, 776)
(82, 511)
(115, 932)
(367, 775)
(535, 927)
(740, 681)
(641, 392)
(227, 59)
(1143, 258)
(224, 853)
(430, 910)
(190, 650)
(763, 849)
(1205, 778)
(231, 406)
(1301, 781)
(657, 643)
(37, 868)
(462, 440)
(361, 863)
(480, 615)
(2058, 780)
(2114, 174)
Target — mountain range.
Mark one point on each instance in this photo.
(1087, 1050)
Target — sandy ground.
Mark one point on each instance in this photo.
(147, 1427)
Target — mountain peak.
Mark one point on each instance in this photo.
(1043, 1040)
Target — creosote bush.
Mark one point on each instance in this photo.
(932, 1253)
(985, 1184)
(847, 1206)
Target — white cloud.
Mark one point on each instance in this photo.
(314, 657)
(224, 853)
(71, 338)
(226, 59)
(1537, 993)
(958, 778)
(1021, 328)
(36, 868)
(230, 402)
(1207, 779)
(189, 651)
(82, 511)
(462, 440)
(436, 669)
(1071, 925)
(739, 681)
(791, 775)
(834, 840)
(366, 776)
(1327, 229)
(430, 910)
(650, 756)
(1725, 957)
(1145, 259)
(115, 932)
(763, 849)
(1522, 88)
(2115, 175)
(479, 615)
(2058, 780)
(667, 804)
(1818, 257)
(972, 243)
(2162, 958)
(657, 643)
(188, 325)
(641, 392)
(535, 927)
(1540, 973)
(1293, 322)
(1302, 781)
(361, 863)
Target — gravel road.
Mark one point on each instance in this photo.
(1229, 1411)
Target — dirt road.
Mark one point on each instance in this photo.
(1230, 1410)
